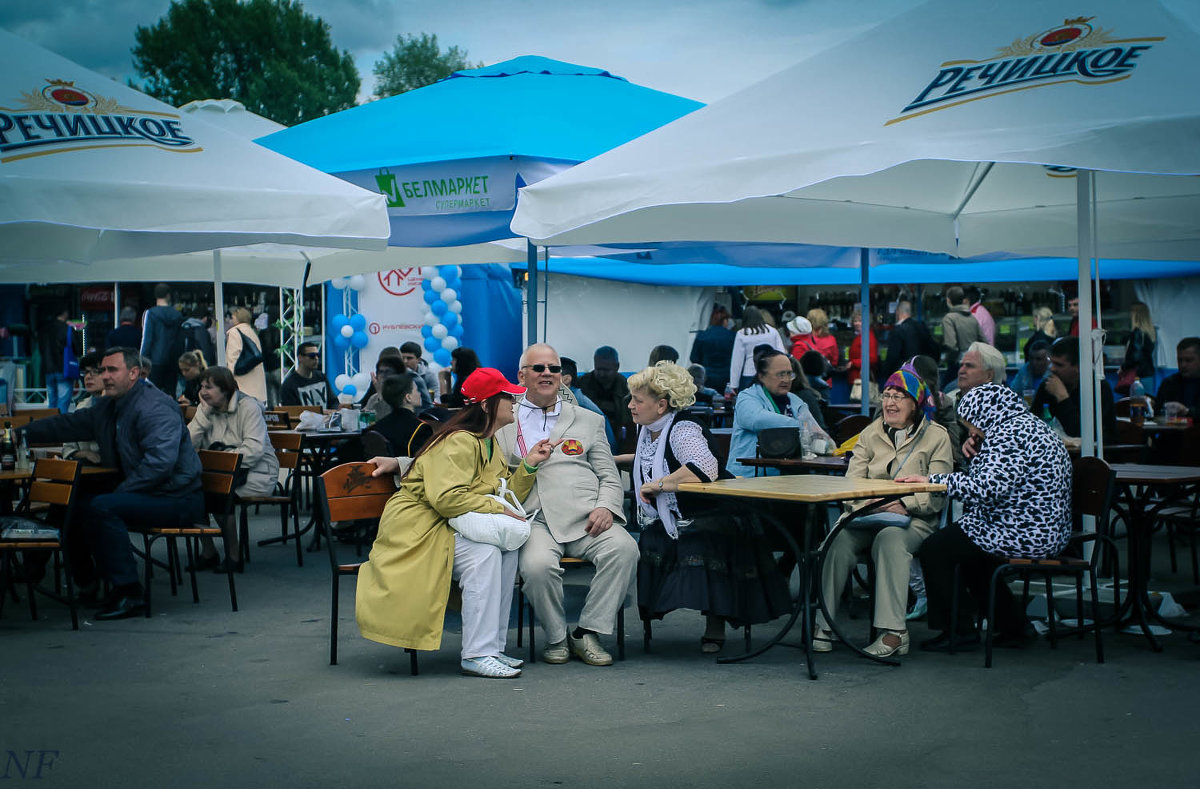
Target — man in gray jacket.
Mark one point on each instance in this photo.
(579, 493)
(959, 330)
(141, 433)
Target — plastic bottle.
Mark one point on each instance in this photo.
(1138, 410)
(805, 441)
(23, 460)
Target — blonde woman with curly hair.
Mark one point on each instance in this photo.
(695, 552)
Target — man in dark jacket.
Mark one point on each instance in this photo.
(127, 335)
(1060, 393)
(162, 340)
(713, 349)
(140, 431)
(908, 338)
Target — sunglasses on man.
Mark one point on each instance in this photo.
(541, 368)
(313, 355)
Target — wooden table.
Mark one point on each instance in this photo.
(803, 492)
(820, 464)
(1139, 484)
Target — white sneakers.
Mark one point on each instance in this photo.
(490, 667)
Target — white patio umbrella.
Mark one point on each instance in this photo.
(958, 127)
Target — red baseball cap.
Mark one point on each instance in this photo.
(487, 382)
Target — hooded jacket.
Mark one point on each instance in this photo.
(1016, 491)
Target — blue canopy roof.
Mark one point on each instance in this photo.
(529, 106)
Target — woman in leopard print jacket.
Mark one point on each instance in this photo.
(1016, 495)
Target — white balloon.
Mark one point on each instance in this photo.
(339, 283)
(454, 306)
(428, 272)
(358, 282)
(448, 295)
(438, 284)
(361, 381)
(342, 381)
(347, 330)
(450, 343)
(431, 319)
(440, 331)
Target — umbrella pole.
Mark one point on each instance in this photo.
(531, 297)
(864, 345)
(219, 307)
(1087, 375)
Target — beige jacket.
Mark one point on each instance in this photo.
(241, 425)
(253, 383)
(580, 476)
(925, 452)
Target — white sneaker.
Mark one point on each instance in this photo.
(489, 668)
(511, 662)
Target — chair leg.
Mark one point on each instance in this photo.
(1096, 616)
(244, 534)
(997, 577)
(191, 555)
(148, 571)
(295, 505)
(333, 619)
(1051, 612)
(954, 612)
(746, 635)
(647, 633)
(72, 602)
(412, 661)
(520, 615)
(1079, 604)
(1195, 562)
(621, 633)
(532, 647)
(233, 603)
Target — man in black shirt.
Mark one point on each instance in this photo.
(1183, 387)
(306, 385)
(908, 338)
(1060, 392)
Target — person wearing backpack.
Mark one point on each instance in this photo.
(162, 340)
(242, 341)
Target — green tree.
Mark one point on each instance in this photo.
(268, 54)
(415, 62)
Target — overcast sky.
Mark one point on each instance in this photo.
(702, 49)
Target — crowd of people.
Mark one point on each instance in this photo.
(541, 456)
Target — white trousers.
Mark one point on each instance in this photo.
(486, 576)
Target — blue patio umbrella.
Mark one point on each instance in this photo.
(451, 156)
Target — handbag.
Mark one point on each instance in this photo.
(250, 357)
(779, 442)
(497, 528)
(856, 391)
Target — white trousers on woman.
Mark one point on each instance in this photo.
(486, 576)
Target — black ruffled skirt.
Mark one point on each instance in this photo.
(721, 565)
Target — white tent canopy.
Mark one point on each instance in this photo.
(232, 116)
(92, 170)
(930, 132)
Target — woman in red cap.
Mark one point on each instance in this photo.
(404, 585)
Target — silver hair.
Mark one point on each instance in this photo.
(992, 359)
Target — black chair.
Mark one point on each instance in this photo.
(376, 444)
(849, 427)
(1091, 494)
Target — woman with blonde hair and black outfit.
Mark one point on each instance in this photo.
(252, 382)
(695, 551)
(1139, 350)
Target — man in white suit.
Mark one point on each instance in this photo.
(581, 499)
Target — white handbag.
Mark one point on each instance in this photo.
(498, 529)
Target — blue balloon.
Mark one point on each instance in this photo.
(455, 284)
(358, 321)
(450, 320)
(426, 330)
(340, 342)
(432, 344)
(430, 296)
(438, 307)
(349, 389)
(457, 331)
(339, 321)
(426, 285)
(442, 356)
(359, 339)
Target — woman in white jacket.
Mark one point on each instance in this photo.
(254, 381)
(229, 420)
(755, 331)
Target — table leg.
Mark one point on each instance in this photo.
(1139, 561)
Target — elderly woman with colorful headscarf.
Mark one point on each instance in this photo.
(1016, 495)
(903, 441)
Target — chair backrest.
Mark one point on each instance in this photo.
(376, 444)
(278, 420)
(850, 426)
(701, 413)
(1092, 486)
(347, 493)
(220, 469)
(1121, 407)
(288, 446)
(1129, 433)
(18, 420)
(294, 411)
(37, 413)
(54, 483)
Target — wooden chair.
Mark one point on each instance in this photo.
(17, 420)
(849, 427)
(345, 493)
(567, 563)
(278, 420)
(294, 411)
(54, 485)
(217, 479)
(1091, 494)
(288, 448)
(37, 413)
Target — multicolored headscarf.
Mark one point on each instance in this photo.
(909, 381)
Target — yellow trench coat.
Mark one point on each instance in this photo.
(404, 584)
